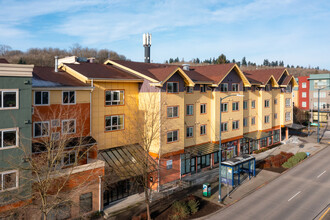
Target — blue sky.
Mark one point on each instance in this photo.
(295, 31)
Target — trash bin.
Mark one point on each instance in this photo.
(308, 154)
(206, 190)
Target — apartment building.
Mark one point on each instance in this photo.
(295, 95)
(61, 119)
(304, 93)
(15, 135)
(319, 86)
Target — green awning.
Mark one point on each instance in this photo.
(202, 149)
(257, 135)
(126, 162)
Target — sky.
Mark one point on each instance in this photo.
(295, 31)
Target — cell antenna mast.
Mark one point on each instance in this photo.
(147, 45)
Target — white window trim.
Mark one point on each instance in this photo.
(188, 107)
(17, 136)
(112, 100)
(34, 103)
(178, 87)
(303, 104)
(17, 99)
(114, 125)
(303, 94)
(289, 117)
(8, 172)
(232, 87)
(173, 116)
(68, 152)
(34, 124)
(74, 97)
(304, 85)
(177, 134)
(286, 104)
(68, 120)
(192, 131)
(226, 87)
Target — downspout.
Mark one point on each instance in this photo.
(100, 193)
(90, 108)
(160, 139)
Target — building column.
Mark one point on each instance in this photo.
(286, 133)
(238, 147)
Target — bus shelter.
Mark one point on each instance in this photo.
(233, 170)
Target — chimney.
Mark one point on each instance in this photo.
(147, 45)
(186, 66)
(56, 64)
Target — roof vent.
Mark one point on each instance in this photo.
(186, 66)
(56, 64)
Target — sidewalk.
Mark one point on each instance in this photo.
(134, 204)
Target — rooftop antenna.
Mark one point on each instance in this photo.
(147, 45)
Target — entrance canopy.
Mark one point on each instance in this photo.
(295, 126)
(127, 161)
(202, 149)
(257, 135)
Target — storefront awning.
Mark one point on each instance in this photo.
(202, 149)
(295, 126)
(126, 162)
(257, 135)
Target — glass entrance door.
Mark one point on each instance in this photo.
(199, 162)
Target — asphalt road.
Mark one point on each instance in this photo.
(301, 193)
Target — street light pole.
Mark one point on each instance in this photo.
(220, 153)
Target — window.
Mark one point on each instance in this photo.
(287, 102)
(185, 163)
(55, 136)
(267, 88)
(41, 129)
(173, 112)
(69, 126)
(224, 107)
(203, 108)
(275, 115)
(287, 116)
(203, 130)
(190, 109)
(203, 88)
(169, 164)
(114, 97)
(245, 105)
(253, 104)
(303, 85)
(8, 180)
(8, 138)
(61, 211)
(190, 89)
(224, 87)
(114, 122)
(315, 105)
(304, 104)
(172, 87)
(205, 160)
(224, 126)
(315, 94)
(41, 98)
(235, 125)
(303, 95)
(69, 158)
(8, 99)
(266, 119)
(235, 106)
(172, 136)
(235, 87)
(323, 95)
(86, 202)
(190, 132)
(266, 103)
(245, 122)
(275, 101)
(253, 120)
(69, 97)
(55, 123)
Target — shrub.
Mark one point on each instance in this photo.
(301, 155)
(180, 210)
(193, 205)
(287, 165)
(295, 160)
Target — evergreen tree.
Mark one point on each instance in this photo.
(233, 61)
(244, 61)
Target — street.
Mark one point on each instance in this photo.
(301, 193)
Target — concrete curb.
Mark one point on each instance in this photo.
(258, 187)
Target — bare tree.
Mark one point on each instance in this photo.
(57, 167)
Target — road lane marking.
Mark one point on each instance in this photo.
(294, 196)
(321, 174)
(324, 214)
